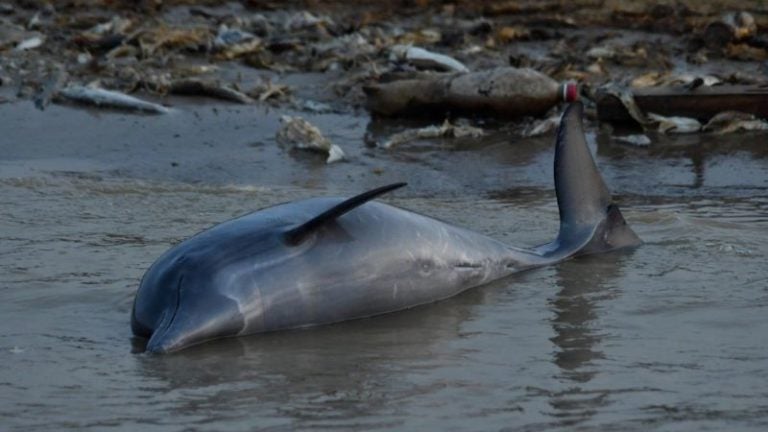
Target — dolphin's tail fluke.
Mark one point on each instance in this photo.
(589, 221)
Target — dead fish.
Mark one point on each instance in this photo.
(352, 48)
(602, 52)
(655, 79)
(639, 140)
(232, 43)
(303, 135)
(105, 36)
(267, 90)
(231, 36)
(540, 127)
(84, 58)
(675, 124)
(732, 121)
(117, 25)
(446, 130)
(11, 35)
(31, 43)
(316, 107)
(109, 98)
(423, 59)
(34, 22)
(304, 19)
(196, 87)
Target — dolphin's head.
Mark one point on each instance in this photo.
(176, 306)
(201, 290)
(210, 286)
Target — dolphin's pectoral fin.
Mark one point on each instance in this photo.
(296, 235)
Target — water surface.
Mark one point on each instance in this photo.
(670, 336)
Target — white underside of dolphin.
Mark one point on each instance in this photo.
(325, 260)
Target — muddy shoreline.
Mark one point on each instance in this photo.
(305, 55)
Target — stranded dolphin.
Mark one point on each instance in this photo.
(325, 260)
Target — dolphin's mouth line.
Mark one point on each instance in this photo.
(167, 323)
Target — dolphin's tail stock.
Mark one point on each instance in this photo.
(589, 221)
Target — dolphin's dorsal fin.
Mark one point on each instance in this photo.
(296, 235)
(589, 222)
(582, 196)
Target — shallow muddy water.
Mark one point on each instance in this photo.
(670, 336)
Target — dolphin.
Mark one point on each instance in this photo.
(325, 260)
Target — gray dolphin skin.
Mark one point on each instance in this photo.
(326, 260)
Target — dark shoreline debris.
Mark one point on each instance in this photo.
(305, 136)
(197, 87)
(50, 88)
(731, 27)
(732, 121)
(445, 130)
(506, 92)
(702, 103)
(414, 59)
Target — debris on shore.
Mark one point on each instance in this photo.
(733, 27)
(506, 92)
(423, 58)
(304, 135)
(197, 87)
(50, 89)
(270, 91)
(445, 130)
(695, 101)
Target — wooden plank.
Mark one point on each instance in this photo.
(701, 103)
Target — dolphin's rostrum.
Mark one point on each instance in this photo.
(325, 260)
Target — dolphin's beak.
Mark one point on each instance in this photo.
(189, 325)
(168, 337)
(162, 346)
(159, 343)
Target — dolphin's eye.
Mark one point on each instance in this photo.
(424, 266)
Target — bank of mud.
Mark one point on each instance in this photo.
(317, 56)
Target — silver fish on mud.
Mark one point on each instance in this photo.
(109, 98)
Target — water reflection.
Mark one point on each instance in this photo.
(584, 284)
(349, 374)
(699, 154)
